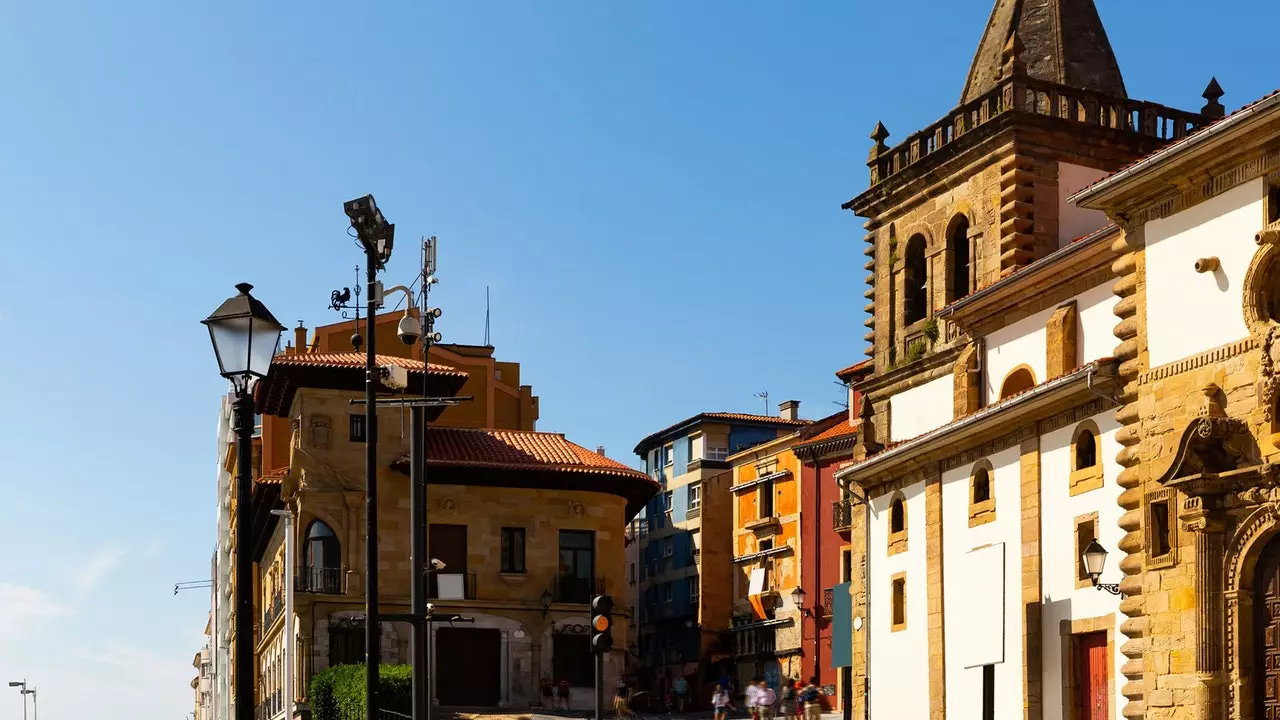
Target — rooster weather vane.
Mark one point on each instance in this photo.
(340, 301)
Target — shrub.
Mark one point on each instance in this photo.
(931, 330)
(915, 351)
(338, 692)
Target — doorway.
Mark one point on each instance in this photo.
(1092, 680)
(468, 665)
(1266, 632)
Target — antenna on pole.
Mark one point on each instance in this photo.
(764, 395)
(486, 317)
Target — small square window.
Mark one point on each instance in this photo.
(357, 427)
(668, 547)
(1162, 533)
(695, 496)
(694, 588)
(666, 501)
(667, 593)
(668, 455)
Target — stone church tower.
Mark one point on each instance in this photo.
(974, 208)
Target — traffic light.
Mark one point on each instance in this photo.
(601, 624)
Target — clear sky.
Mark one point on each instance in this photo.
(651, 189)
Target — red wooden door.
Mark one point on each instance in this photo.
(1091, 673)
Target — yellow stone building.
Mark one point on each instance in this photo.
(1198, 279)
(528, 525)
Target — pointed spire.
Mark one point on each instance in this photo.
(1064, 42)
(880, 134)
(1213, 94)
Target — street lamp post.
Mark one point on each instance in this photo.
(289, 641)
(245, 336)
(25, 691)
(376, 237)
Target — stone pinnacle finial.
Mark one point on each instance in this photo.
(1213, 94)
(1012, 56)
(880, 134)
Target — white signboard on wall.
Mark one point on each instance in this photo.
(982, 629)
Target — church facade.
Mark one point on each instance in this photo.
(1051, 385)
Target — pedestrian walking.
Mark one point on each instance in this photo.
(721, 703)
(562, 694)
(621, 706)
(811, 698)
(753, 697)
(789, 704)
(548, 693)
(681, 690)
(766, 700)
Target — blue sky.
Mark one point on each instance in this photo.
(651, 189)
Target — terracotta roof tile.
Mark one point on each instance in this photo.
(513, 449)
(840, 430)
(854, 369)
(275, 477)
(357, 360)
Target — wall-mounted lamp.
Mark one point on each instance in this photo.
(797, 598)
(546, 602)
(1095, 558)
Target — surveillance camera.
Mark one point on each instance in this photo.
(409, 330)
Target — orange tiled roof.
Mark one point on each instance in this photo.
(854, 369)
(275, 477)
(838, 430)
(357, 360)
(515, 449)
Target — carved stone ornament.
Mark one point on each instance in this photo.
(576, 510)
(448, 506)
(320, 432)
(1269, 381)
(1212, 443)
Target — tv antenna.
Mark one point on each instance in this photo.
(764, 395)
(486, 317)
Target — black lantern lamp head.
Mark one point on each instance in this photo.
(546, 602)
(1094, 558)
(797, 598)
(245, 336)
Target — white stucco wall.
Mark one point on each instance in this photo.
(1024, 342)
(1074, 222)
(964, 686)
(921, 409)
(1189, 312)
(899, 660)
(1059, 563)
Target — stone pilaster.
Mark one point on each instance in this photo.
(933, 558)
(1032, 648)
(1060, 341)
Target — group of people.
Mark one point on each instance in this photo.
(797, 703)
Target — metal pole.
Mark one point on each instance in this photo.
(372, 636)
(35, 710)
(599, 686)
(290, 637)
(418, 559)
(243, 602)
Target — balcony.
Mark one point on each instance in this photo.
(452, 586)
(568, 589)
(841, 515)
(827, 598)
(697, 556)
(273, 611)
(762, 523)
(323, 581)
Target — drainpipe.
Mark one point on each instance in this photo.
(866, 574)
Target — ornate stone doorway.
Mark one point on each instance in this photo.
(1266, 632)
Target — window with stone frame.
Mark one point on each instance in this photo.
(1161, 528)
(1086, 459)
(915, 281)
(1020, 380)
(958, 258)
(897, 524)
(898, 602)
(1086, 532)
(982, 494)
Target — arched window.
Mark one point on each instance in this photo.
(321, 560)
(1020, 380)
(1086, 449)
(982, 497)
(958, 259)
(897, 516)
(981, 486)
(915, 281)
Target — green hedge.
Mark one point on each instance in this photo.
(338, 692)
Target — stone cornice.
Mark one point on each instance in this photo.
(928, 368)
(1217, 354)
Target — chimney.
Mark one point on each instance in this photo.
(789, 409)
(300, 337)
(600, 450)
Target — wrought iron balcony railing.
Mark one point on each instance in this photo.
(841, 515)
(568, 589)
(327, 581)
